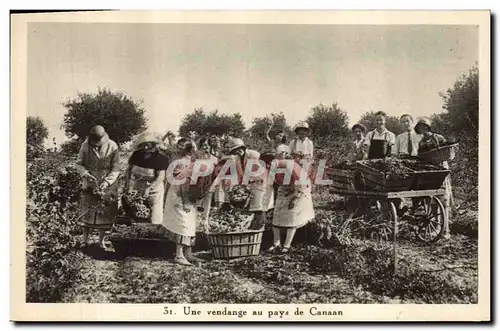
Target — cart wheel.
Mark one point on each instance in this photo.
(430, 220)
(380, 219)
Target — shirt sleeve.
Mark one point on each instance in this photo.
(115, 167)
(80, 166)
(397, 150)
(311, 147)
(392, 143)
(366, 142)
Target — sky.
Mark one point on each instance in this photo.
(251, 69)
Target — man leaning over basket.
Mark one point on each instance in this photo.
(98, 163)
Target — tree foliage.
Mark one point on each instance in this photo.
(461, 105)
(121, 116)
(214, 122)
(392, 122)
(36, 133)
(275, 121)
(328, 123)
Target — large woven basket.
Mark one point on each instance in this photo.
(236, 244)
(440, 154)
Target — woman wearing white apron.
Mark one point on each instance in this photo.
(180, 214)
(146, 173)
(294, 206)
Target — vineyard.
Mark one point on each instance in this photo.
(325, 265)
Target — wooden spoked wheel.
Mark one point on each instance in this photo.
(380, 218)
(429, 218)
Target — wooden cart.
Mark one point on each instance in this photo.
(382, 212)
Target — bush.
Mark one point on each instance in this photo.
(52, 251)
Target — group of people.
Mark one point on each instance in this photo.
(176, 207)
(381, 143)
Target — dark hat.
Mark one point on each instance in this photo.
(423, 121)
(98, 136)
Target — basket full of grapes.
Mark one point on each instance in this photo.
(136, 206)
(229, 234)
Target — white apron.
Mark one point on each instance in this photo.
(262, 197)
(141, 182)
(175, 218)
(300, 214)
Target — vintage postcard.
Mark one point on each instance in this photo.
(250, 166)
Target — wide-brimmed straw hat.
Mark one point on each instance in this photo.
(147, 137)
(235, 143)
(301, 125)
(360, 126)
(98, 136)
(423, 121)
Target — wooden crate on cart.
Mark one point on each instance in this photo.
(377, 180)
(342, 179)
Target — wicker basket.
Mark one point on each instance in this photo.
(341, 179)
(440, 154)
(236, 244)
(375, 180)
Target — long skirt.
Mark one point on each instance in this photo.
(180, 224)
(301, 213)
(97, 218)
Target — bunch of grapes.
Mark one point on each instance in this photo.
(229, 221)
(137, 204)
(239, 195)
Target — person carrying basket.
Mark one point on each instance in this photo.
(429, 141)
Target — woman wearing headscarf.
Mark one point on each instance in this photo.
(98, 162)
(294, 206)
(357, 150)
(431, 140)
(146, 173)
(180, 213)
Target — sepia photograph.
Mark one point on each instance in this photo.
(207, 165)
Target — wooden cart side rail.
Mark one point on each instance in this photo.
(389, 195)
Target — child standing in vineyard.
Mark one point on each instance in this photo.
(98, 163)
(302, 145)
(357, 152)
(294, 206)
(180, 214)
(146, 173)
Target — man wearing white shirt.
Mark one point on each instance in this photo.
(302, 144)
(380, 142)
(407, 142)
